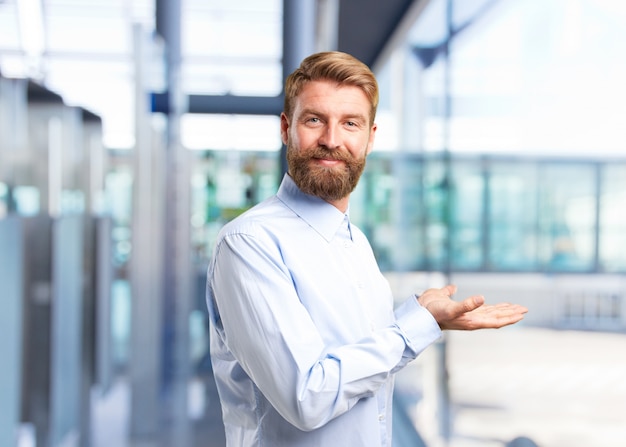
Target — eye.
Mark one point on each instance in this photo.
(312, 121)
(353, 125)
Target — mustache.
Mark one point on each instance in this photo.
(329, 154)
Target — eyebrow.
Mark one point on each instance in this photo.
(349, 116)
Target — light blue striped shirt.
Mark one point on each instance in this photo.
(304, 337)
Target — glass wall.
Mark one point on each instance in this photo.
(567, 216)
(512, 215)
(612, 234)
(224, 184)
(509, 152)
(503, 214)
(491, 213)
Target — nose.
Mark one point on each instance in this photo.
(329, 138)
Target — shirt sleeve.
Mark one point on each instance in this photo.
(418, 327)
(270, 333)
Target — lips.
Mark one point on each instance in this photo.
(328, 161)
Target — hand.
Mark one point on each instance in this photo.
(470, 314)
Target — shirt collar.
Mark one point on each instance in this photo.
(318, 213)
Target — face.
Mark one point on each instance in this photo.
(328, 138)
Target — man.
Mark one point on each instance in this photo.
(304, 338)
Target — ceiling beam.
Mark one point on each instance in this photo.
(367, 28)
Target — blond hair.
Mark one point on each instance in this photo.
(336, 66)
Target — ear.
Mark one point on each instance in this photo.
(370, 143)
(284, 128)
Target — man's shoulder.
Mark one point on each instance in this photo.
(260, 218)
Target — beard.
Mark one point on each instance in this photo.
(328, 183)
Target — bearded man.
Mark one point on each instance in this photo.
(305, 340)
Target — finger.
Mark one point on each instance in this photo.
(517, 308)
(449, 290)
(479, 300)
(506, 320)
(503, 316)
(471, 303)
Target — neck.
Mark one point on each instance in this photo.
(341, 204)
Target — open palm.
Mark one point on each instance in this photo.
(470, 314)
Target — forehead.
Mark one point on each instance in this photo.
(331, 97)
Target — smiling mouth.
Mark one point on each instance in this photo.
(328, 161)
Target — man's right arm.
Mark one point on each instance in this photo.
(271, 334)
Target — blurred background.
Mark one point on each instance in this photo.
(131, 131)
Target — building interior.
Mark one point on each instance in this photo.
(132, 131)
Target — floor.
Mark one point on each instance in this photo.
(556, 388)
(523, 387)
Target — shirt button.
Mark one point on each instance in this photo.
(381, 417)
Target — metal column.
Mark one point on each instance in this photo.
(12, 280)
(177, 268)
(145, 359)
(298, 42)
(161, 266)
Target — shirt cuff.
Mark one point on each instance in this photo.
(419, 327)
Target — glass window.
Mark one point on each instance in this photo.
(503, 214)
(436, 221)
(232, 47)
(567, 217)
(512, 216)
(371, 205)
(223, 185)
(398, 206)
(466, 219)
(613, 219)
(408, 213)
(516, 77)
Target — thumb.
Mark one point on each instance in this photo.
(450, 289)
(471, 303)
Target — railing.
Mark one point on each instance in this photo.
(592, 310)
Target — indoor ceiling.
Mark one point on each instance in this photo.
(83, 49)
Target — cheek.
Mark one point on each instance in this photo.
(360, 148)
(302, 139)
